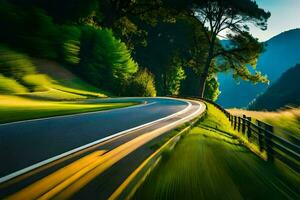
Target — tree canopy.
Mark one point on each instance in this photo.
(180, 42)
(232, 18)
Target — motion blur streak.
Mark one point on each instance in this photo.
(70, 179)
(40, 187)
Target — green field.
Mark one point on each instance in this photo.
(210, 163)
(14, 108)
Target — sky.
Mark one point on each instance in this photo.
(285, 15)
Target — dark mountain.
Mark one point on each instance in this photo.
(282, 52)
(285, 91)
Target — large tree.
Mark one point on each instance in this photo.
(232, 18)
(125, 17)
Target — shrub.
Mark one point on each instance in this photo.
(104, 60)
(10, 86)
(13, 64)
(70, 44)
(37, 82)
(212, 88)
(40, 36)
(142, 85)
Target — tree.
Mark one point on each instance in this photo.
(167, 53)
(104, 60)
(126, 16)
(62, 11)
(212, 88)
(234, 16)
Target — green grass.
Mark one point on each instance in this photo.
(49, 89)
(64, 80)
(53, 95)
(14, 108)
(48, 80)
(285, 122)
(213, 164)
(11, 86)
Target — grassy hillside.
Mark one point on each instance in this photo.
(34, 88)
(23, 75)
(64, 84)
(211, 163)
(285, 122)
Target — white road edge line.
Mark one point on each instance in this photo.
(78, 114)
(49, 160)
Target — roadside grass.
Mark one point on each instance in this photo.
(73, 89)
(77, 86)
(64, 80)
(210, 162)
(47, 80)
(53, 95)
(285, 122)
(15, 108)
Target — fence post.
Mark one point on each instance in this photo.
(260, 136)
(268, 140)
(249, 127)
(239, 123)
(234, 122)
(231, 119)
(244, 124)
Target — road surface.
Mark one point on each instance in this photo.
(52, 154)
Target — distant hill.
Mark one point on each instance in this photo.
(282, 52)
(285, 91)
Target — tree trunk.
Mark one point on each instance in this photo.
(204, 74)
(202, 85)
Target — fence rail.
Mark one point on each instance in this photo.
(263, 136)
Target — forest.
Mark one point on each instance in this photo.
(132, 48)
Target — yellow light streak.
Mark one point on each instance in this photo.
(40, 187)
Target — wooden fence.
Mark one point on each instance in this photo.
(262, 134)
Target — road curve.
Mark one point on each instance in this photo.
(28, 143)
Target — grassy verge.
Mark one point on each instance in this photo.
(14, 108)
(44, 80)
(211, 163)
(285, 122)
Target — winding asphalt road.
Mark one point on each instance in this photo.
(29, 145)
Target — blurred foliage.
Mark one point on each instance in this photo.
(14, 64)
(10, 86)
(62, 11)
(92, 52)
(142, 84)
(70, 41)
(37, 82)
(87, 38)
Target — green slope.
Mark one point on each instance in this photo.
(212, 164)
(62, 84)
